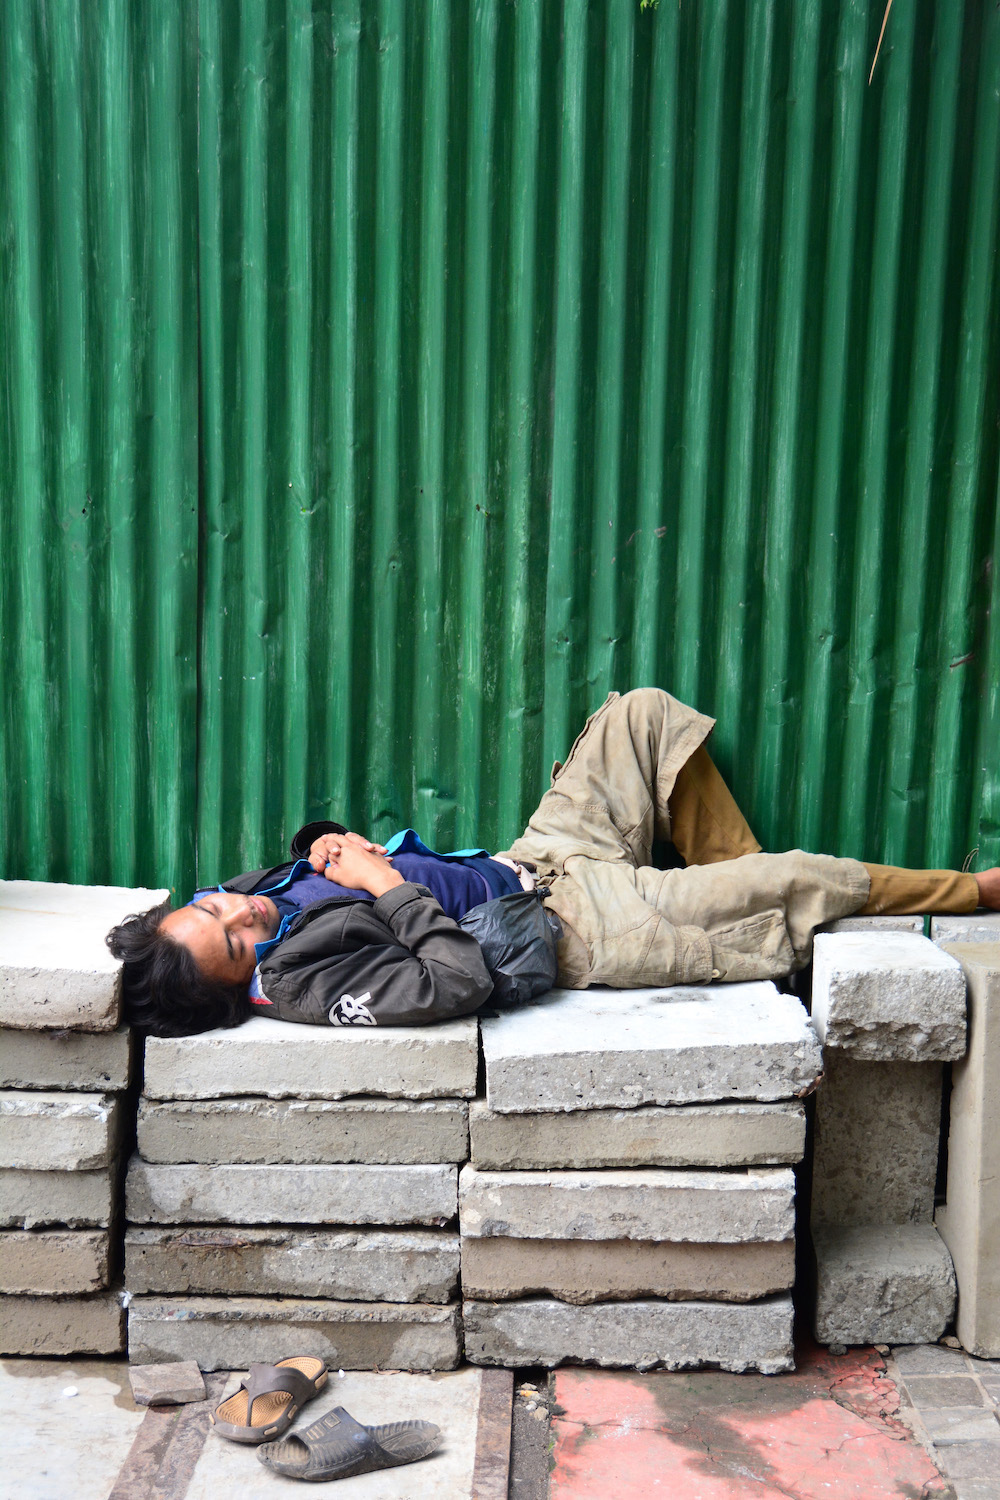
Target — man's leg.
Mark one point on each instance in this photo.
(895, 892)
(705, 823)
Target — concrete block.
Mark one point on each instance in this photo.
(279, 1059)
(78, 1200)
(195, 1194)
(55, 1262)
(618, 1049)
(383, 1265)
(874, 924)
(306, 1131)
(50, 1132)
(980, 927)
(888, 998)
(35, 1326)
(656, 1204)
(231, 1333)
(638, 1335)
(882, 1284)
(582, 1271)
(167, 1385)
(970, 1219)
(55, 968)
(684, 1135)
(92, 1061)
(877, 1133)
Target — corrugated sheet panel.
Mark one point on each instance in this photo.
(387, 381)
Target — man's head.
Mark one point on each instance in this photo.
(188, 970)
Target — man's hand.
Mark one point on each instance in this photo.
(989, 889)
(354, 862)
(321, 848)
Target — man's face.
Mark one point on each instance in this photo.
(219, 931)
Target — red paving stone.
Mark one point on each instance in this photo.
(826, 1432)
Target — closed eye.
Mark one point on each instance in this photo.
(211, 912)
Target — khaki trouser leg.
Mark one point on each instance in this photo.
(705, 823)
(896, 892)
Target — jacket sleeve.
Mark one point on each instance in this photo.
(307, 836)
(401, 963)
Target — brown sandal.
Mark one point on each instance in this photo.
(269, 1399)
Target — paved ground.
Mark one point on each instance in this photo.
(918, 1424)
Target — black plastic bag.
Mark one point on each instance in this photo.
(518, 938)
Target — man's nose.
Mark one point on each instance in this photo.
(238, 916)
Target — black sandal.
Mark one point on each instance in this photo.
(335, 1446)
(269, 1399)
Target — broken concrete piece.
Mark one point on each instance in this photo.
(684, 1135)
(195, 1194)
(637, 1335)
(382, 1265)
(970, 1218)
(35, 1326)
(887, 1284)
(389, 1131)
(618, 1049)
(55, 1262)
(91, 1061)
(874, 924)
(231, 1333)
(980, 927)
(892, 1182)
(78, 1200)
(166, 1385)
(582, 1271)
(50, 1132)
(656, 1204)
(888, 998)
(55, 968)
(279, 1059)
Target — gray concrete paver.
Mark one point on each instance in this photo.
(944, 1390)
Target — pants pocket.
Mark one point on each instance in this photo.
(756, 947)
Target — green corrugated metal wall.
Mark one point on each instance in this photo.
(385, 381)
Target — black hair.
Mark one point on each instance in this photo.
(164, 991)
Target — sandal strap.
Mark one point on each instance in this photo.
(340, 1427)
(263, 1380)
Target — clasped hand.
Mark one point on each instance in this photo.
(348, 859)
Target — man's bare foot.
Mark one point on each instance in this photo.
(989, 888)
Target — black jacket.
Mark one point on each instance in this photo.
(346, 962)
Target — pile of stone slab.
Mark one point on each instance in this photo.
(890, 1008)
(294, 1189)
(630, 1199)
(65, 1067)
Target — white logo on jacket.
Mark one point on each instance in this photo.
(351, 1012)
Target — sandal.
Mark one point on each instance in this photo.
(335, 1446)
(269, 1399)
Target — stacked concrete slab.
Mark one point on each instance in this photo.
(65, 1065)
(889, 1007)
(630, 1199)
(294, 1188)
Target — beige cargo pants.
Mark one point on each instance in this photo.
(638, 772)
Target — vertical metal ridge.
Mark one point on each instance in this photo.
(916, 533)
(476, 490)
(431, 393)
(520, 391)
(173, 453)
(384, 600)
(608, 538)
(779, 697)
(35, 779)
(860, 814)
(828, 522)
(733, 639)
(295, 501)
(652, 646)
(339, 648)
(949, 792)
(694, 511)
(561, 608)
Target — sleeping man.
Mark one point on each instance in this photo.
(350, 933)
